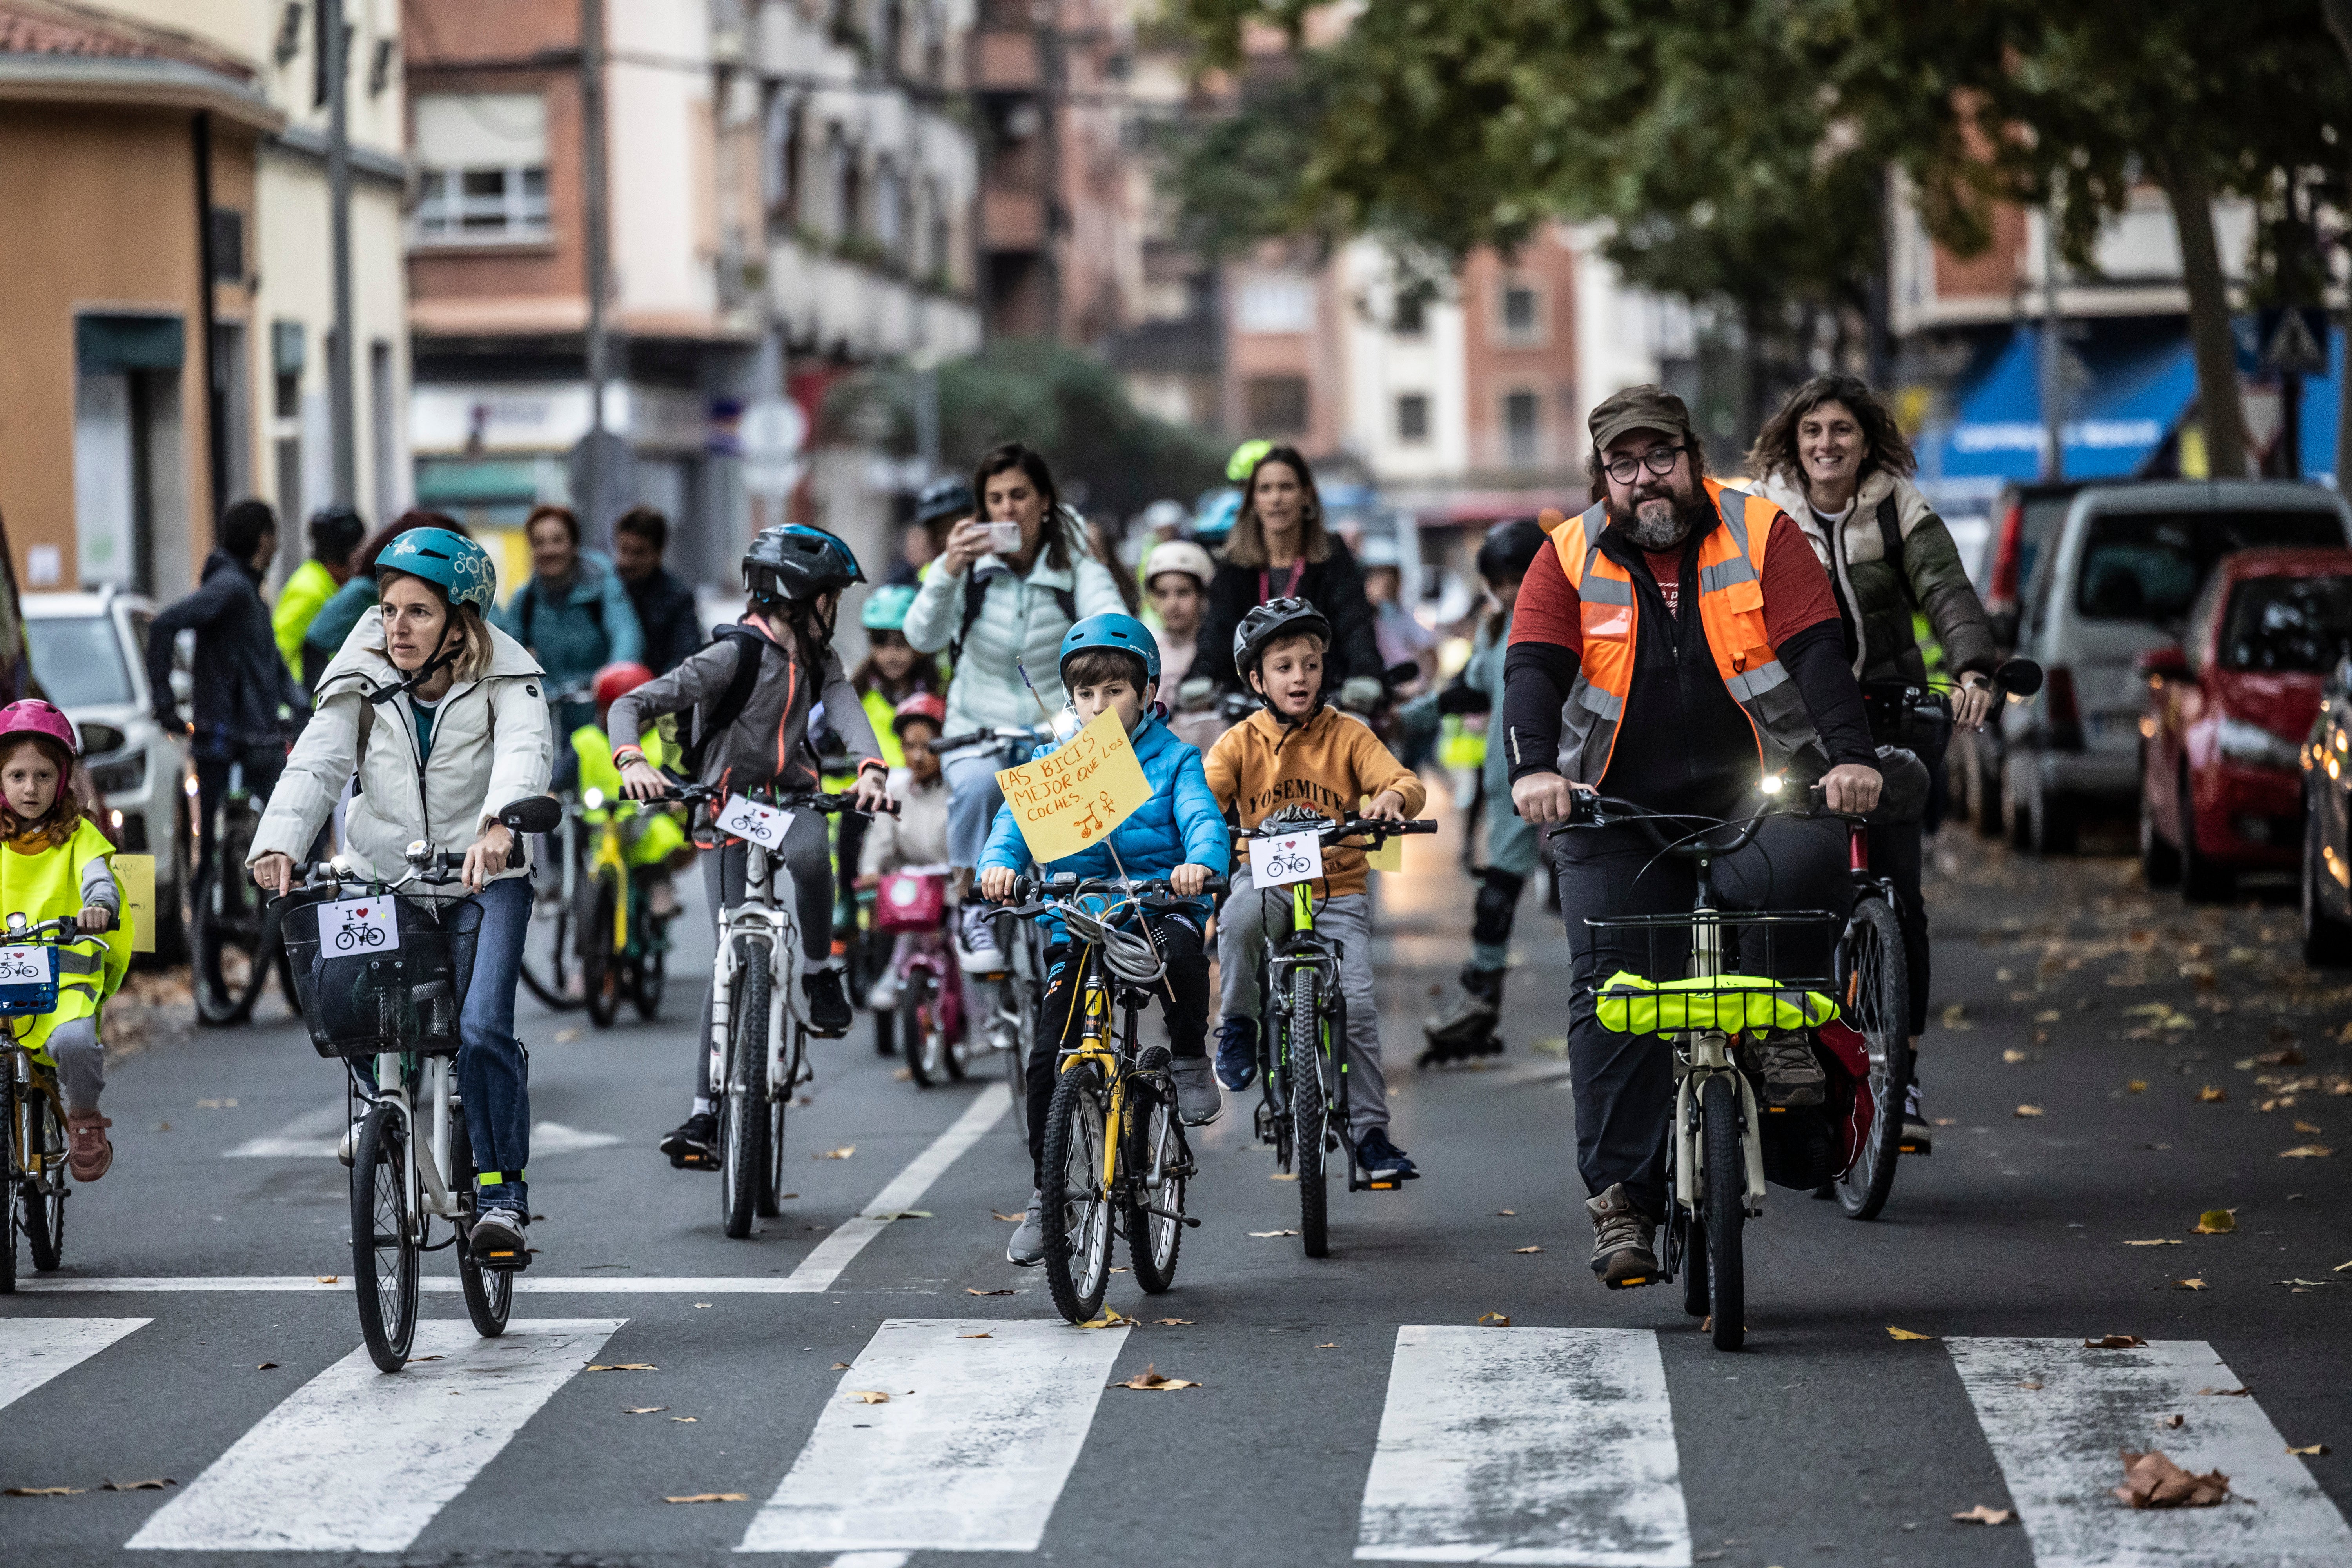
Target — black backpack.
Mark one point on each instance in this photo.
(713, 720)
(976, 595)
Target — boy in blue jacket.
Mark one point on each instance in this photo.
(1110, 661)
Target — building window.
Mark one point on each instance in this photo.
(483, 163)
(892, 230)
(1411, 316)
(1412, 416)
(1275, 404)
(1275, 303)
(1522, 313)
(781, 138)
(1522, 427)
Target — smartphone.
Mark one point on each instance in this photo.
(1004, 538)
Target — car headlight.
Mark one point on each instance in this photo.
(2253, 746)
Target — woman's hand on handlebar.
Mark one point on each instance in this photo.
(1972, 701)
(487, 856)
(1850, 787)
(1539, 798)
(1388, 807)
(274, 874)
(639, 780)
(996, 883)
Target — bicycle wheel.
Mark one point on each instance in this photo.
(920, 1039)
(1693, 1259)
(11, 1201)
(1077, 1208)
(1878, 995)
(1307, 1117)
(231, 959)
(1159, 1162)
(385, 1252)
(770, 1196)
(742, 1120)
(45, 1213)
(600, 960)
(548, 964)
(490, 1292)
(1723, 1208)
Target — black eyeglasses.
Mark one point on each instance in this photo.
(1659, 460)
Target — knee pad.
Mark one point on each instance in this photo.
(1498, 902)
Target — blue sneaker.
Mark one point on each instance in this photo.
(1237, 1053)
(1384, 1164)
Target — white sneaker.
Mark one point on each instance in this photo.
(884, 995)
(976, 948)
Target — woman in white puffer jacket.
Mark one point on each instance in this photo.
(444, 720)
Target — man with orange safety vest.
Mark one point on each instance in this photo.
(1672, 647)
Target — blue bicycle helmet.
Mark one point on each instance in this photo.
(1213, 523)
(452, 563)
(943, 498)
(1112, 629)
(886, 608)
(793, 560)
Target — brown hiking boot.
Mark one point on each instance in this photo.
(1622, 1253)
(90, 1153)
(1784, 1059)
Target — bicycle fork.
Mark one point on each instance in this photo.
(1704, 1054)
(428, 1190)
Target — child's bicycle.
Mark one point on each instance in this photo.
(926, 1024)
(389, 1010)
(623, 947)
(29, 1103)
(1302, 1106)
(1115, 1159)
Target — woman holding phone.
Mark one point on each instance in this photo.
(1009, 583)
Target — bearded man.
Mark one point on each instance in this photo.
(1673, 646)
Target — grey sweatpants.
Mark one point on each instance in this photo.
(1242, 923)
(81, 1064)
(807, 862)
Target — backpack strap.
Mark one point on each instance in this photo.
(975, 593)
(529, 609)
(714, 720)
(1890, 540)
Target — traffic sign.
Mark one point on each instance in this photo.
(2294, 342)
(770, 434)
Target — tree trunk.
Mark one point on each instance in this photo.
(2339, 22)
(2219, 410)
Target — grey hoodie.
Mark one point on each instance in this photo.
(766, 744)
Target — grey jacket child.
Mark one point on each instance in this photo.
(767, 743)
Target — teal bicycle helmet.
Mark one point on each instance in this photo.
(452, 563)
(1213, 523)
(886, 608)
(1112, 629)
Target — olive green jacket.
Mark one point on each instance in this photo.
(1878, 613)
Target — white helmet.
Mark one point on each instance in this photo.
(1178, 555)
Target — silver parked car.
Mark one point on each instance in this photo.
(2116, 580)
(88, 653)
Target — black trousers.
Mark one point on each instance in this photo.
(1625, 1084)
(263, 764)
(1185, 1003)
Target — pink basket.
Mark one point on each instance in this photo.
(911, 901)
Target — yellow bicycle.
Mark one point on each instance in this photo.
(35, 1201)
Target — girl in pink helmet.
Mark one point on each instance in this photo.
(54, 861)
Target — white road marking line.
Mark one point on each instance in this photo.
(870, 1560)
(972, 1460)
(1526, 1445)
(34, 1350)
(318, 1135)
(826, 1261)
(357, 1460)
(529, 1284)
(2057, 1446)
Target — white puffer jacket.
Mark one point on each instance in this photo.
(493, 743)
(1019, 617)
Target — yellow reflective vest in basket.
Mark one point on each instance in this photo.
(1628, 1005)
(43, 886)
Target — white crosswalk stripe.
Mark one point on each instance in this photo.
(970, 1454)
(357, 1460)
(2057, 1414)
(1526, 1445)
(34, 1350)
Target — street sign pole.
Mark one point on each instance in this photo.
(336, 43)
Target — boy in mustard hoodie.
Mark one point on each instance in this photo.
(1296, 752)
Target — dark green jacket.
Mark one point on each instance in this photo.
(1871, 594)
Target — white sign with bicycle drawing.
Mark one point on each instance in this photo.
(748, 819)
(27, 965)
(352, 926)
(1293, 858)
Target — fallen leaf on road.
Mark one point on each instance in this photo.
(623, 1366)
(328, 1278)
(2306, 1283)
(2225, 1392)
(970, 1291)
(1284, 1176)
(2159, 1241)
(2212, 1093)
(2289, 1058)
(2217, 1222)
(2048, 1016)
(2172, 1423)
(2027, 1110)
(1111, 1318)
(711, 1497)
(216, 1105)
(643, 1409)
(565, 1037)
(1507, 1214)
(2029, 1385)
(685, 1420)
(2152, 1480)
(2013, 1056)
(1332, 1346)
(157, 1485)
(1494, 1320)
(2116, 1343)
(1149, 1378)
(902, 1214)
(267, 1366)
(2313, 1448)
(1264, 1233)
(2136, 1085)
(44, 1491)
(1981, 1514)
(1175, 1322)
(2307, 1152)
(2340, 1267)
(867, 1397)
(901, 1075)
(2243, 1064)
(839, 1366)
(1523, 1251)
(983, 1334)
(1895, 1334)
(2188, 1284)
(2307, 1126)
(1955, 1016)
(843, 1153)
(1008, 1219)
(1948, 1122)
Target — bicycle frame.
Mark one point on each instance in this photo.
(1306, 948)
(428, 1190)
(760, 912)
(1097, 1044)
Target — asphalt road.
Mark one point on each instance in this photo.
(1347, 1409)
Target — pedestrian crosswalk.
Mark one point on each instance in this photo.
(1510, 1446)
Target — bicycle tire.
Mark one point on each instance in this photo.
(383, 1277)
(1694, 1287)
(1308, 1115)
(652, 974)
(1723, 1205)
(1076, 1212)
(921, 1041)
(45, 1213)
(770, 1198)
(1154, 1240)
(1871, 962)
(488, 1292)
(231, 960)
(741, 1129)
(958, 1050)
(548, 973)
(12, 1132)
(600, 962)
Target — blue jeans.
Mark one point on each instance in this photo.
(972, 800)
(493, 1068)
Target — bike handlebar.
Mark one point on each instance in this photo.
(972, 738)
(63, 929)
(1349, 827)
(1151, 892)
(796, 800)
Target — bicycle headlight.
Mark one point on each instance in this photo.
(592, 799)
(1770, 784)
(2253, 746)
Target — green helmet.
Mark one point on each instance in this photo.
(886, 608)
(452, 563)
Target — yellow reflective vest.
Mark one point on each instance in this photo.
(44, 886)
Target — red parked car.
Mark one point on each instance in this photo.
(2227, 712)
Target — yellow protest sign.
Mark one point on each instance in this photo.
(1073, 798)
(137, 875)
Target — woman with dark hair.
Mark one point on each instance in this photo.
(1281, 548)
(1834, 459)
(1006, 586)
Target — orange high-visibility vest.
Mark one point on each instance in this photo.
(1731, 609)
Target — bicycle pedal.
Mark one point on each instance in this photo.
(1631, 1281)
(1918, 1150)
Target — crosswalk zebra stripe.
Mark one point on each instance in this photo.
(34, 1350)
(357, 1460)
(2057, 1414)
(970, 1454)
(826, 1260)
(1526, 1445)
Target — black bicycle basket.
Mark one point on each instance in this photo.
(359, 1001)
